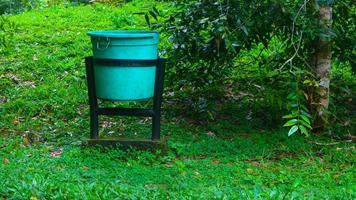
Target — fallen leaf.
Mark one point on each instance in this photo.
(168, 165)
(144, 120)
(26, 141)
(57, 153)
(210, 133)
(249, 170)
(337, 175)
(28, 84)
(15, 79)
(3, 99)
(15, 122)
(216, 161)
(6, 161)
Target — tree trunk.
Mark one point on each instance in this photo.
(321, 60)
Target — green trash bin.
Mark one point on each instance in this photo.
(124, 83)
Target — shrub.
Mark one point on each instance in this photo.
(12, 7)
(111, 2)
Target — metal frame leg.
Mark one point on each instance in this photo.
(94, 121)
(157, 99)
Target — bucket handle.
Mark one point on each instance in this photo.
(98, 44)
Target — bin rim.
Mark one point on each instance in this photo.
(123, 34)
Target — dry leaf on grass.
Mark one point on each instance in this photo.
(57, 153)
(6, 161)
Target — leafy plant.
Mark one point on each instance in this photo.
(299, 118)
(207, 37)
(154, 13)
(111, 2)
(7, 29)
(11, 6)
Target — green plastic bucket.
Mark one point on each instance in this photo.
(121, 83)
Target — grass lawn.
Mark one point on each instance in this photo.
(249, 165)
(44, 117)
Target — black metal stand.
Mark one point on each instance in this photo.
(154, 112)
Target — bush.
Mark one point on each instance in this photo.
(8, 6)
(111, 2)
(12, 7)
(7, 30)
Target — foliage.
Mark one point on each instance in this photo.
(17, 6)
(11, 6)
(112, 2)
(299, 118)
(344, 13)
(342, 106)
(207, 37)
(7, 30)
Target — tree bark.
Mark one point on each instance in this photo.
(321, 60)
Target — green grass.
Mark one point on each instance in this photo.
(247, 165)
(43, 108)
(43, 87)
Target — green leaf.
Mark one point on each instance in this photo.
(139, 13)
(303, 107)
(306, 81)
(297, 183)
(293, 105)
(306, 119)
(289, 116)
(153, 15)
(155, 10)
(292, 96)
(291, 122)
(147, 20)
(305, 124)
(306, 114)
(292, 130)
(244, 29)
(303, 130)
